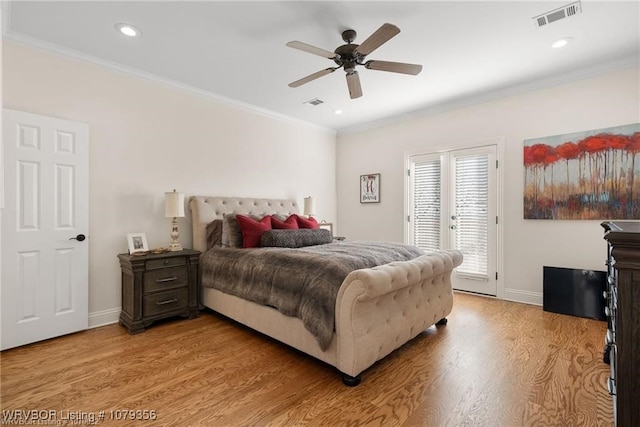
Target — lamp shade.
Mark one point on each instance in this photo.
(309, 206)
(173, 204)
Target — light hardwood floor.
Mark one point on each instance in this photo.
(495, 363)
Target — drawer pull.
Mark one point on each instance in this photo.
(609, 339)
(609, 312)
(169, 301)
(611, 386)
(168, 279)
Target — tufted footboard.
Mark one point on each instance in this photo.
(379, 309)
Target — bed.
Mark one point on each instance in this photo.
(377, 309)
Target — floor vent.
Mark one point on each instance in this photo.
(558, 14)
(313, 102)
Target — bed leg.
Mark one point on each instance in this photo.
(442, 322)
(351, 381)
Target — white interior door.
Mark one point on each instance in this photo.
(46, 214)
(452, 204)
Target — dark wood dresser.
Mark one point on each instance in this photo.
(158, 286)
(622, 342)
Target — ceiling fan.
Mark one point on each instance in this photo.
(350, 55)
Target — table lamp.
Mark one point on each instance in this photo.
(309, 206)
(174, 208)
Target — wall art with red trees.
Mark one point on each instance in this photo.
(585, 175)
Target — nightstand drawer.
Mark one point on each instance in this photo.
(164, 263)
(163, 302)
(165, 278)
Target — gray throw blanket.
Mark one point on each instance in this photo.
(301, 282)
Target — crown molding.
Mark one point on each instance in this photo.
(560, 79)
(114, 66)
(5, 10)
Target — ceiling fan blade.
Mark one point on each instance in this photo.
(313, 76)
(353, 83)
(394, 67)
(312, 49)
(377, 39)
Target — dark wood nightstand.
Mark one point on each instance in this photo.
(157, 286)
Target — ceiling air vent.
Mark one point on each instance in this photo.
(313, 102)
(558, 14)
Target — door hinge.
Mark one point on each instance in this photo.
(408, 172)
(496, 219)
(496, 275)
(408, 218)
(496, 164)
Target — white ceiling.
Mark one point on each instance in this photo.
(236, 50)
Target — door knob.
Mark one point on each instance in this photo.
(79, 237)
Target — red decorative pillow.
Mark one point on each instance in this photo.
(289, 223)
(306, 222)
(252, 230)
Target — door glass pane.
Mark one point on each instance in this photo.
(472, 212)
(426, 209)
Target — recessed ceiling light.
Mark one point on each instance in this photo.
(562, 42)
(128, 30)
(337, 112)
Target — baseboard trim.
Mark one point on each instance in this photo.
(104, 317)
(526, 297)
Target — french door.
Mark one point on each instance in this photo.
(452, 204)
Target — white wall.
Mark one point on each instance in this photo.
(598, 102)
(147, 138)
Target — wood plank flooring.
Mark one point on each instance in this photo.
(495, 363)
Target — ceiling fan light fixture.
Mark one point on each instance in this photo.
(128, 30)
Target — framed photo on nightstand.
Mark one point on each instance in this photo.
(327, 226)
(137, 243)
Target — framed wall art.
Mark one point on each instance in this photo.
(592, 175)
(370, 188)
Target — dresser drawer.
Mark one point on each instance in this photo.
(164, 263)
(163, 302)
(165, 278)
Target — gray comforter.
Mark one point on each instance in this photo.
(300, 282)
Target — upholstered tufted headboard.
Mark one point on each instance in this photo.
(205, 209)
